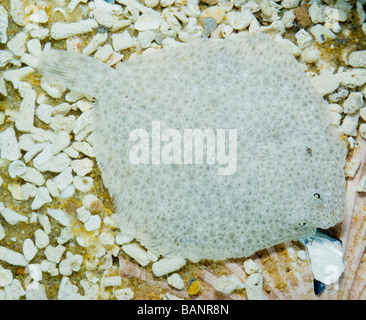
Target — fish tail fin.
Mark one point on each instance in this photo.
(75, 71)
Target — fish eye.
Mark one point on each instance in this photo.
(316, 199)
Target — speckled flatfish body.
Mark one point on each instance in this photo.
(289, 178)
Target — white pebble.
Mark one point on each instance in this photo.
(2, 232)
(84, 148)
(149, 20)
(321, 33)
(92, 223)
(9, 145)
(83, 184)
(124, 294)
(353, 103)
(35, 271)
(3, 25)
(17, 12)
(137, 253)
(70, 264)
(349, 124)
(64, 179)
(64, 30)
(357, 59)
(82, 214)
(106, 238)
(92, 203)
(98, 40)
(176, 281)
(12, 217)
(289, 4)
(82, 167)
(35, 291)
(6, 277)
(16, 168)
(112, 281)
(254, 286)
(42, 197)
(12, 257)
(25, 115)
(351, 167)
(17, 44)
(228, 284)
(363, 130)
(41, 239)
(303, 38)
(59, 215)
(54, 254)
(32, 175)
(29, 249)
(325, 83)
(316, 13)
(352, 78)
(251, 267)
(122, 41)
(52, 88)
(44, 112)
(310, 54)
(288, 19)
(167, 265)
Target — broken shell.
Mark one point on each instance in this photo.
(16, 168)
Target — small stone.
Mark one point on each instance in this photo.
(351, 167)
(228, 284)
(352, 78)
(149, 20)
(12, 217)
(82, 214)
(362, 185)
(349, 124)
(251, 267)
(92, 203)
(52, 88)
(215, 12)
(17, 44)
(115, 281)
(42, 197)
(124, 294)
(353, 103)
(54, 254)
(254, 287)
(9, 145)
(3, 25)
(83, 184)
(167, 265)
(92, 223)
(59, 215)
(82, 167)
(317, 13)
(303, 38)
(41, 239)
(12, 257)
(6, 277)
(64, 30)
(176, 281)
(60, 142)
(321, 33)
(325, 83)
(358, 59)
(302, 15)
(137, 253)
(289, 4)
